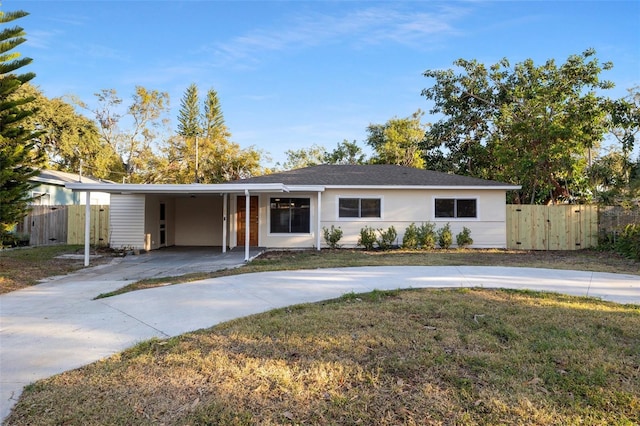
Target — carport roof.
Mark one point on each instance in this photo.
(192, 188)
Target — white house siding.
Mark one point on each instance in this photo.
(401, 207)
(127, 214)
(198, 221)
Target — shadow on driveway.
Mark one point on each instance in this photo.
(166, 262)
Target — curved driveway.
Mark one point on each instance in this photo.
(56, 326)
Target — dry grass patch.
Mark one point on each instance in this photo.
(404, 357)
(24, 267)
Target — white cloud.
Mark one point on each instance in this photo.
(41, 39)
(370, 26)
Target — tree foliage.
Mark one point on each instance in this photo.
(398, 141)
(304, 157)
(625, 125)
(346, 153)
(18, 158)
(528, 125)
(137, 144)
(202, 150)
(68, 140)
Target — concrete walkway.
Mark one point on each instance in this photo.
(56, 326)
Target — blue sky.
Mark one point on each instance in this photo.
(290, 74)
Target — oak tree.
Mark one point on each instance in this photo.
(529, 124)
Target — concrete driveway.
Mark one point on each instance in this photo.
(56, 326)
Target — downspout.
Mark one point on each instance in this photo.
(319, 220)
(87, 228)
(224, 222)
(247, 227)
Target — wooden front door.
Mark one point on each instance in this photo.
(253, 221)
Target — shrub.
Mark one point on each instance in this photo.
(427, 236)
(464, 239)
(387, 238)
(10, 239)
(332, 236)
(410, 238)
(367, 238)
(628, 243)
(445, 238)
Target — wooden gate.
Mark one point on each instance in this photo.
(99, 231)
(45, 225)
(556, 227)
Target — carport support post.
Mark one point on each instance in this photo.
(224, 222)
(87, 227)
(318, 230)
(247, 227)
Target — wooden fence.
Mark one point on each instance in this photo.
(556, 227)
(47, 225)
(99, 231)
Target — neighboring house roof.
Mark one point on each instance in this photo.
(378, 175)
(55, 177)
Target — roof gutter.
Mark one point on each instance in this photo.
(192, 188)
(447, 187)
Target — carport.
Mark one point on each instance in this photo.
(146, 215)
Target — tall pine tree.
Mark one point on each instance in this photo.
(17, 155)
(218, 159)
(189, 114)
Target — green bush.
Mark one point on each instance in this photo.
(387, 238)
(367, 238)
(628, 243)
(464, 239)
(427, 236)
(445, 238)
(11, 239)
(410, 237)
(332, 236)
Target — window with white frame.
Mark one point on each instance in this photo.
(456, 207)
(290, 215)
(359, 207)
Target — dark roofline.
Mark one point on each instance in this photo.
(374, 175)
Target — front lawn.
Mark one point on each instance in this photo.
(416, 357)
(26, 266)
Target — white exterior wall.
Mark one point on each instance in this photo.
(97, 198)
(126, 215)
(401, 207)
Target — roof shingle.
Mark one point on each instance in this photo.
(369, 175)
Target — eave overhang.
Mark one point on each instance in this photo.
(428, 187)
(193, 188)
